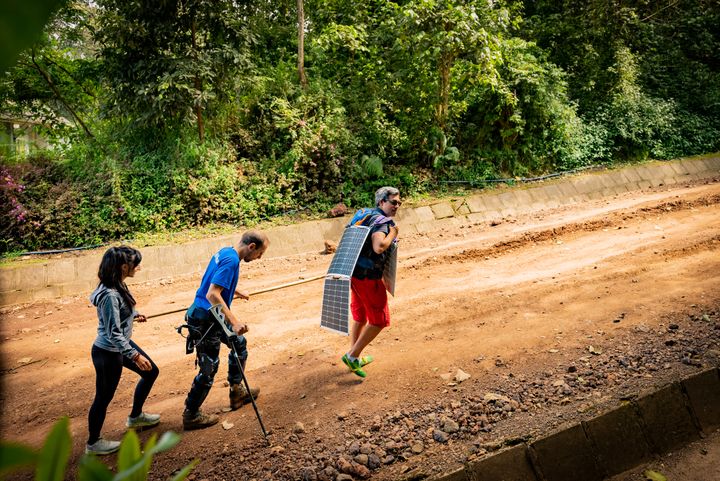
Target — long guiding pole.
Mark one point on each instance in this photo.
(226, 328)
(231, 341)
(262, 291)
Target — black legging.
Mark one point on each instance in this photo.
(108, 368)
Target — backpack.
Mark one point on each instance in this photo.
(368, 217)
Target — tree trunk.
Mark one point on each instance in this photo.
(59, 95)
(441, 110)
(301, 44)
(198, 87)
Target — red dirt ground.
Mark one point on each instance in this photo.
(561, 312)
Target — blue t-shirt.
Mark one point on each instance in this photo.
(224, 271)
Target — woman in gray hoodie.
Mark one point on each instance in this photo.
(113, 349)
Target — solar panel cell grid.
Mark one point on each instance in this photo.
(336, 305)
(348, 250)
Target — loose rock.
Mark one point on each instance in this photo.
(308, 474)
(440, 436)
(344, 466)
(450, 426)
(330, 247)
(461, 376)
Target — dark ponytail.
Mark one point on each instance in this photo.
(110, 271)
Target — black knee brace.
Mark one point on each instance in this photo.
(240, 344)
(208, 368)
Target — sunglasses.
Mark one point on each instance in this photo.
(394, 202)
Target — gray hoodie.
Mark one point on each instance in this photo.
(115, 321)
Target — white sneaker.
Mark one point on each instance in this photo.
(102, 446)
(143, 420)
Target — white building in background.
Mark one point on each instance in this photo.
(20, 137)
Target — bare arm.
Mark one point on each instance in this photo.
(381, 241)
(214, 296)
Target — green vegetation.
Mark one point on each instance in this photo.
(165, 116)
(50, 462)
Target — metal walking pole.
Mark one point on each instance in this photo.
(219, 317)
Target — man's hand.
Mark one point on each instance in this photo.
(242, 295)
(140, 318)
(394, 229)
(240, 329)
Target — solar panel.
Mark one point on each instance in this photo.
(348, 250)
(336, 305)
(335, 314)
(391, 269)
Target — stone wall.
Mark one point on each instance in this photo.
(623, 437)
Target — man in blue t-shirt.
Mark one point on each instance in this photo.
(219, 286)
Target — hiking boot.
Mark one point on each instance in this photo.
(365, 360)
(143, 420)
(354, 366)
(198, 420)
(102, 447)
(239, 395)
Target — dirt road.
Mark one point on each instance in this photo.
(554, 316)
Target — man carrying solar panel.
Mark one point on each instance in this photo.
(368, 302)
(218, 286)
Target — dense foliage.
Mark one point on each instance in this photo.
(182, 113)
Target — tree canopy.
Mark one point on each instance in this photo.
(179, 113)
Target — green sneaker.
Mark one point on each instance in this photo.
(355, 366)
(365, 360)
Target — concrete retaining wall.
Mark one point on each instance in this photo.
(73, 275)
(611, 443)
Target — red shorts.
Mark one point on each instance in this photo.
(368, 302)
